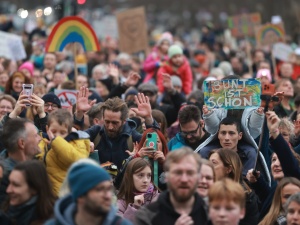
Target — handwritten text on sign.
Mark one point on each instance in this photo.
(232, 94)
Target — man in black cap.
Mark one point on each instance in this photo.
(176, 98)
(52, 102)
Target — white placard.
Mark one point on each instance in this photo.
(282, 51)
(11, 46)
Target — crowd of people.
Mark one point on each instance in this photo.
(140, 146)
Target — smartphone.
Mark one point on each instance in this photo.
(151, 141)
(268, 89)
(27, 90)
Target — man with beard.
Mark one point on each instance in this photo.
(90, 200)
(191, 129)
(118, 133)
(180, 205)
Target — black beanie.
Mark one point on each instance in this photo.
(51, 97)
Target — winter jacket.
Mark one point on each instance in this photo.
(162, 212)
(128, 212)
(251, 123)
(184, 72)
(151, 64)
(114, 149)
(62, 153)
(23, 214)
(65, 209)
(179, 142)
(9, 164)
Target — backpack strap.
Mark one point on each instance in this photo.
(97, 139)
(130, 143)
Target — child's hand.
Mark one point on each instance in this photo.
(139, 200)
(92, 147)
(50, 134)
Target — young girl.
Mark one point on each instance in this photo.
(136, 188)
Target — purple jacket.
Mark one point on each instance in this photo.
(128, 212)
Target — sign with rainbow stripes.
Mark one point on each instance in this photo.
(70, 30)
(269, 34)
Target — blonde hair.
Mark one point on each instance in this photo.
(229, 190)
(286, 123)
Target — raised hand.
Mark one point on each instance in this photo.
(167, 82)
(37, 105)
(144, 108)
(82, 101)
(21, 104)
(205, 110)
(132, 79)
(113, 72)
(273, 123)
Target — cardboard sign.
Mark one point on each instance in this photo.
(132, 29)
(67, 97)
(269, 34)
(232, 94)
(11, 46)
(282, 51)
(244, 25)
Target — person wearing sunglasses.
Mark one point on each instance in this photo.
(191, 132)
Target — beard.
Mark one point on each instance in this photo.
(193, 142)
(182, 198)
(114, 133)
(94, 209)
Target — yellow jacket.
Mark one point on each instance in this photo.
(61, 155)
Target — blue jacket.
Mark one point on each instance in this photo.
(113, 150)
(176, 142)
(65, 208)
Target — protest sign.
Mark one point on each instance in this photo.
(282, 51)
(269, 34)
(67, 97)
(232, 94)
(243, 25)
(132, 29)
(11, 46)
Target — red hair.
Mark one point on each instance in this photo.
(165, 149)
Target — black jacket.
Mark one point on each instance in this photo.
(162, 212)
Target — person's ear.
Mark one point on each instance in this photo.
(228, 169)
(202, 123)
(242, 213)
(240, 135)
(21, 143)
(96, 121)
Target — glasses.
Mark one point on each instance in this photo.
(191, 133)
(53, 106)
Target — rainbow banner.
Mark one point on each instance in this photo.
(270, 34)
(70, 30)
(232, 94)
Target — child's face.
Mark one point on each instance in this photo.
(177, 60)
(225, 213)
(58, 130)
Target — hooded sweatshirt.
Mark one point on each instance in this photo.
(65, 209)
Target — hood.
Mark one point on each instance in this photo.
(65, 209)
(128, 127)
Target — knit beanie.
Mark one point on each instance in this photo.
(174, 50)
(51, 97)
(166, 36)
(108, 83)
(83, 177)
(27, 66)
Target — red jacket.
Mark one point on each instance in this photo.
(184, 72)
